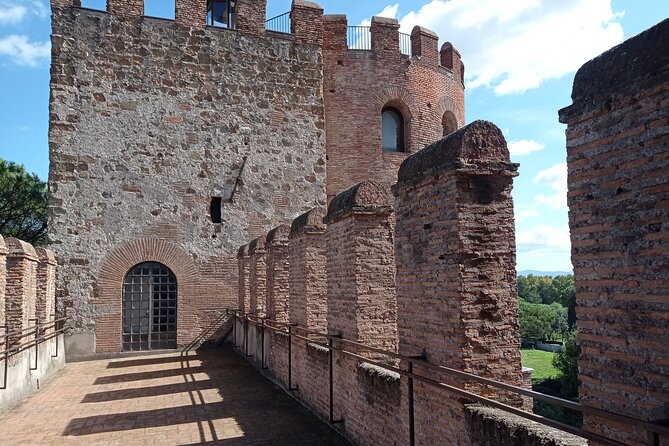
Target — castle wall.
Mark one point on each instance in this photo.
(359, 83)
(149, 120)
(618, 160)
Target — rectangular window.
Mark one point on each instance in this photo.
(215, 209)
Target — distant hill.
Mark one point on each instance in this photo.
(527, 272)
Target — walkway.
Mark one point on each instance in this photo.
(213, 398)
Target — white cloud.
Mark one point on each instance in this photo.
(524, 147)
(389, 11)
(525, 214)
(13, 12)
(24, 52)
(514, 46)
(554, 177)
(544, 239)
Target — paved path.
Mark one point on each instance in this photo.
(213, 398)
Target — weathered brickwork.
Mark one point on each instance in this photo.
(45, 302)
(618, 160)
(21, 286)
(244, 263)
(258, 277)
(359, 84)
(149, 121)
(456, 290)
(3, 279)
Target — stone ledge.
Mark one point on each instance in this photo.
(307, 5)
(478, 147)
(46, 256)
(257, 246)
(382, 382)
(243, 251)
(368, 197)
(278, 236)
(494, 427)
(311, 221)
(20, 249)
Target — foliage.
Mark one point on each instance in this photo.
(540, 361)
(548, 290)
(536, 320)
(566, 362)
(23, 204)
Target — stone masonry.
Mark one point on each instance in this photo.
(618, 160)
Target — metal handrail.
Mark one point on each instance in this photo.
(405, 44)
(286, 328)
(210, 329)
(279, 24)
(359, 37)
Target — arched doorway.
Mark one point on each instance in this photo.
(149, 308)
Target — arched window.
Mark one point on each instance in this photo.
(392, 130)
(222, 13)
(149, 308)
(449, 123)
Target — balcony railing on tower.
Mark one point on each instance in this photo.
(279, 24)
(360, 38)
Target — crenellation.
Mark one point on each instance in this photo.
(191, 13)
(307, 22)
(126, 8)
(424, 45)
(258, 277)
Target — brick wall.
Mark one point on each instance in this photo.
(244, 264)
(45, 306)
(3, 279)
(149, 120)
(126, 8)
(278, 297)
(191, 12)
(307, 22)
(359, 83)
(618, 161)
(456, 282)
(21, 286)
(362, 308)
(251, 16)
(258, 277)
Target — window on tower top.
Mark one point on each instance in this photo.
(222, 13)
(392, 130)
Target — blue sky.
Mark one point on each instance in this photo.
(520, 57)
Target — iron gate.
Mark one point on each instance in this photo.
(149, 308)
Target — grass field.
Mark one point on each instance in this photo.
(541, 362)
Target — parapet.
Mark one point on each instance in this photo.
(368, 197)
(20, 249)
(311, 222)
(3, 246)
(278, 236)
(637, 64)
(46, 256)
(480, 142)
(257, 246)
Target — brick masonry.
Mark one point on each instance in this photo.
(3, 279)
(149, 121)
(618, 160)
(258, 277)
(244, 264)
(358, 84)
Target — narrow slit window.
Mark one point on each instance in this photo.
(392, 130)
(215, 209)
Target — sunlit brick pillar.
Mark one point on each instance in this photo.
(126, 8)
(385, 36)
(424, 44)
(251, 16)
(456, 278)
(21, 284)
(3, 280)
(307, 22)
(308, 306)
(257, 278)
(191, 12)
(362, 306)
(450, 58)
(244, 264)
(277, 273)
(45, 305)
(308, 281)
(335, 27)
(618, 171)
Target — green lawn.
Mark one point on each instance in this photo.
(541, 362)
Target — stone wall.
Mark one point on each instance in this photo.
(432, 276)
(27, 299)
(150, 119)
(618, 160)
(358, 84)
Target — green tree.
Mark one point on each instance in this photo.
(536, 320)
(566, 362)
(559, 323)
(528, 289)
(23, 204)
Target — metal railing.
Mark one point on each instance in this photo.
(208, 331)
(359, 37)
(279, 24)
(13, 342)
(343, 347)
(405, 44)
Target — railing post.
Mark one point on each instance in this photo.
(234, 329)
(37, 335)
(246, 335)
(331, 380)
(6, 366)
(262, 344)
(290, 357)
(653, 439)
(412, 433)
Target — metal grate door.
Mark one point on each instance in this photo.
(149, 308)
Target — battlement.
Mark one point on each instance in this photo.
(303, 22)
(384, 39)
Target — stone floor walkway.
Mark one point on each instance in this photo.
(211, 398)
